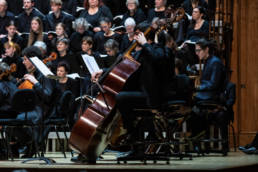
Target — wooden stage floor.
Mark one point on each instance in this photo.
(235, 161)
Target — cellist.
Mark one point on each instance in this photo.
(148, 86)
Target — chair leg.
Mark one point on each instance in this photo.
(234, 136)
(5, 141)
(59, 140)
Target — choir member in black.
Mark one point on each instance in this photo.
(52, 38)
(43, 48)
(133, 11)
(65, 83)
(211, 82)
(128, 37)
(86, 46)
(15, 6)
(70, 6)
(63, 54)
(7, 89)
(112, 49)
(94, 10)
(58, 16)
(43, 6)
(11, 36)
(158, 11)
(148, 86)
(5, 17)
(24, 18)
(36, 32)
(43, 89)
(12, 56)
(81, 27)
(189, 5)
(101, 37)
(199, 28)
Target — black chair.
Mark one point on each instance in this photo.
(22, 101)
(210, 109)
(161, 122)
(60, 118)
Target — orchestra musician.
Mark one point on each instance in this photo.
(147, 87)
(43, 89)
(211, 82)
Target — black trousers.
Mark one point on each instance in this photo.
(127, 101)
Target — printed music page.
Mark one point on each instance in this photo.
(42, 67)
(90, 63)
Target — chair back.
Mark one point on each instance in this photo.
(65, 103)
(24, 100)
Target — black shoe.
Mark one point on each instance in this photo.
(247, 146)
(82, 159)
(251, 150)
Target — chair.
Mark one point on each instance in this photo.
(211, 108)
(165, 120)
(22, 101)
(61, 117)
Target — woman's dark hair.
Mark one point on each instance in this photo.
(88, 40)
(65, 65)
(87, 5)
(11, 23)
(211, 44)
(32, 51)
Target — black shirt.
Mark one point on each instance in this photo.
(4, 21)
(24, 20)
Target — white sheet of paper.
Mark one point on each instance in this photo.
(90, 63)
(41, 66)
(73, 75)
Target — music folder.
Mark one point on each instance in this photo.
(90, 63)
(44, 70)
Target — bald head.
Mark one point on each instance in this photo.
(3, 2)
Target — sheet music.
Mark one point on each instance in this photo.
(90, 63)
(42, 67)
(73, 75)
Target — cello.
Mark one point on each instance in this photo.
(93, 131)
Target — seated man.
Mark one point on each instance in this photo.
(211, 82)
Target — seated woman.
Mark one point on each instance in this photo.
(36, 32)
(199, 28)
(158, 11)
(86, 46)
(63, 54)
(81, 27)
(12, 56)
(101, 37)
(133, 11)
(52, 39)
(127, 38)
(11, 36)
(7, 89)
(94, 10)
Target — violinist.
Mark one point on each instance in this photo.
(43, 89)
(7, 89)
(12, 56)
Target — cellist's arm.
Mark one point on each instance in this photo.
(95, 75)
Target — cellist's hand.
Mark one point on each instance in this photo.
(31, 78)
(95, 75)
(140, 38)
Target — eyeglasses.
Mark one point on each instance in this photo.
(197, 50)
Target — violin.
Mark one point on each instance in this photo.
(52, 57)
(8, 72)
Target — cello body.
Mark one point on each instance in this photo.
(93, 131)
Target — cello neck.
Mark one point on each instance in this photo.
(128, 52)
